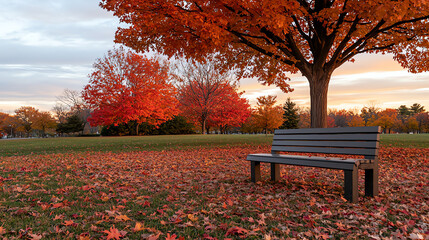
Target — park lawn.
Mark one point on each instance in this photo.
(126, 143)
(159, 143)
(204, 193)
(405, 140)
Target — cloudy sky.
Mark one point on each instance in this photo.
(47, 46)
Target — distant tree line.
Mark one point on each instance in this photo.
(264, 118)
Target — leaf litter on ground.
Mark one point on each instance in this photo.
(205, 193)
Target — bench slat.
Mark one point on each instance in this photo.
(369, 144)
(332, 137)
(329, 130)
(321, 162)
(350, 151)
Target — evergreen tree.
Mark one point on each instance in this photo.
(404, 110)
(416, 108)
(73, 124)
(290, 115)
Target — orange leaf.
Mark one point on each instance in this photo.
(113, 233)
(139, 227)
(172, 237)
(69, 223)
(123, 218)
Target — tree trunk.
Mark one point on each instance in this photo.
(137, 129)
(203, 126)
(319, 100)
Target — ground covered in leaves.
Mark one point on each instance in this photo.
(205, 194)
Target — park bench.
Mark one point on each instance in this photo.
(362, 141)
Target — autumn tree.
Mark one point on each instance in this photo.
(411, 125)
(251, 124)
(341, 118)
(231, 111)
(423, 120)
(9, 124)
(290, 115)
(4, 127)
(356, 121)
(125, 86)
(267, 39)
(304, 118)
(27, 117)
(268, 115)
(386, 119)
(44, 121)
(369, 112)
(405, 113)
(202, 88)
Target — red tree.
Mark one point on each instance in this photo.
(126, 86)
(267, 38)
(201, 90)
(231, 111)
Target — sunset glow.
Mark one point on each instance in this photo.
(42, 56)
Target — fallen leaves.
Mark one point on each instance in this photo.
(113, 233)
(2, 231)
(204, 194)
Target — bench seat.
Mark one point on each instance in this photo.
(309, 161)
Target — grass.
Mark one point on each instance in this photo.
(125, 144)
(405, 140)
(159, 143)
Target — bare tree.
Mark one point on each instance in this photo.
(61, 112)
(70, 103)
(71, 98)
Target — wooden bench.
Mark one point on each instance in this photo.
(345, 141)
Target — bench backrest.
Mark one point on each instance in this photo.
(345, 140)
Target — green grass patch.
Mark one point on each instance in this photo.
(158, 143)
(125, 144)
(405, 140)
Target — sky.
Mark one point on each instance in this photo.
(47, 46)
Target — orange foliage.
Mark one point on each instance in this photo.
(267, 115)
(126, 86)
(209, 96)
(232, 110)
(268, 38)
(386, 119)
(26, 117)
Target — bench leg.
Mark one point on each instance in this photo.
(371, 182)
(351, 185)
(275, 172)
(255, 171)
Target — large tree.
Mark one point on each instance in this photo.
(268, 38)
(126, 86)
